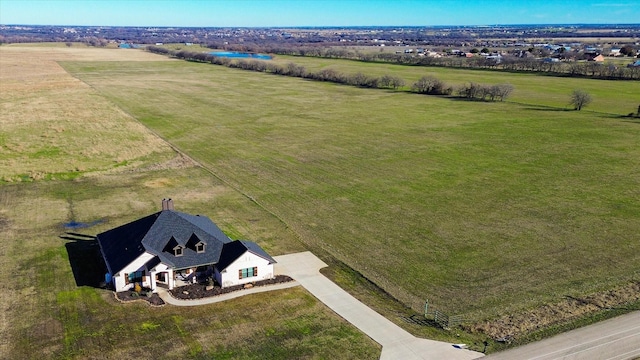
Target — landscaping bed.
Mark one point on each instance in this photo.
(198, 291)
(131, 295)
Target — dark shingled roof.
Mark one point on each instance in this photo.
(231, 251)
(122, 245)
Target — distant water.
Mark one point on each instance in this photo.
(240, 55)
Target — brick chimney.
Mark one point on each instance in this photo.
(167, 204)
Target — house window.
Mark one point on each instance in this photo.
(248, 272)
(177, 251)
(134, 277)
(200, 248)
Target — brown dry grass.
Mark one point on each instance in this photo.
(55, 125)
(569, 309)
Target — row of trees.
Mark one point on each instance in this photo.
(507, 62)
(473, 91)
(428, 85)
(498, 92)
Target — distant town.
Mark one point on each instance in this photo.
(603, 37)
(548, 48)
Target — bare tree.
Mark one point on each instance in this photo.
(396, 82)
(391, 81)
(471, 91)
(430, 85)
(580, 99)
(296, 70)
(501, 91)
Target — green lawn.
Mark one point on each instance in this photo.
(482, 208)
(613, 97)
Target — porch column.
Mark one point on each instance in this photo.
(153, 280)
(170, 281)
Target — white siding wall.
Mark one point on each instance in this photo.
(119, 280)
(230, 276)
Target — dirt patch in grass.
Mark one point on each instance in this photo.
(199, 291)
(4, 222)
(570, 309)
(178, 162)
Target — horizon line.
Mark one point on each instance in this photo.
(333, 26)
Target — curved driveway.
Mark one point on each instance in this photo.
(305, 268)
(396, 343)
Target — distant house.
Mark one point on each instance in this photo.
(171, 249)
(597, 58)
(496, 59)
(432, 54)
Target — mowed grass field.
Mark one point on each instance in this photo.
(68, 154)
(611, 97)
(483, 208)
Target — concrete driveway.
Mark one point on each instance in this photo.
(396, 343)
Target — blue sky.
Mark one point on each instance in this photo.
(283, 13)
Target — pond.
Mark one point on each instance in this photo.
(240, 55)
(81, 225)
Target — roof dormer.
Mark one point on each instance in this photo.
(196, 244)
(178, 250)
(173, 246)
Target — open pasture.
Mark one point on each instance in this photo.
(118, 171)
(482, 208)
(611, 97)
(55, 126)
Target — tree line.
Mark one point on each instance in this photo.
(588, 69)
(428, 85)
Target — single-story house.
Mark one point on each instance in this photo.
(170, 248)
